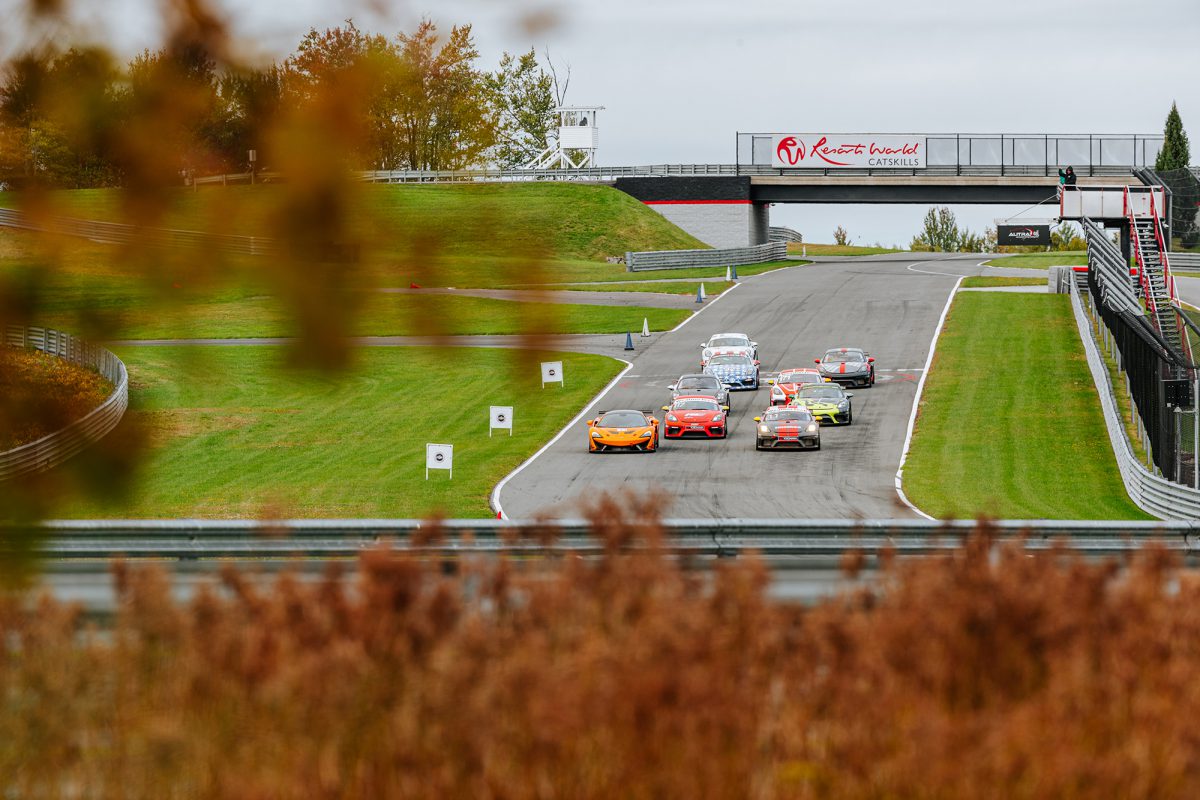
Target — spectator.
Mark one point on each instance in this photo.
(1070, 176)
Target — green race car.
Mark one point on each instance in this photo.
(828, 402)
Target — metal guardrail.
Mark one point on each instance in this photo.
(55, 448)
(682, 259)
(1060, 280)
(606, 174)
(1151, 493)
(188, 540)
(778, 233)
(120, 233)
(1181, 260)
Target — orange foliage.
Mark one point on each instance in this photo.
(40, 394)
(988, 673)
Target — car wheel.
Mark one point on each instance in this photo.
(757, 445)
(850, 417)
(818, 447)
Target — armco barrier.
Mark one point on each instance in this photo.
(119, 233)
(1181, 260)
(1154, 495)
(683, 259)
(189, 540)
(57, 447)
(779, 233)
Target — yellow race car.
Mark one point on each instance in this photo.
(623, 429)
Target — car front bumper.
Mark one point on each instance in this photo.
(799, 443)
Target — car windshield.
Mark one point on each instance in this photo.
(738, 361)
(728, 341)
(623, 419)
(821, 392)
(839, 356)
(698, 383)
(805, 376)
(696, 405)
(787, 414)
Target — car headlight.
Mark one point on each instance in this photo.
(645, 434)
(718, 418)
(777, 391)
(596, 434)
(763, 429)
(812, 427)
(672, 418)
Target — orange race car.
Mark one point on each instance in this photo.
(623, 429)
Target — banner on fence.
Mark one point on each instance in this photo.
(1038, 235)
(847, 150)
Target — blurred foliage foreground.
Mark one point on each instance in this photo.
(990, 672)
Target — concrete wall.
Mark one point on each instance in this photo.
(716, 210)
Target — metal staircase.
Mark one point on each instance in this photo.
(1154, 272)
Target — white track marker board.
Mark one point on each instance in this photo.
(501, 418)
(552, 372)
(439, 456)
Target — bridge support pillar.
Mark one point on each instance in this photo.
(716, 210)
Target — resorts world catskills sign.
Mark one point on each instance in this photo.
(844, 150)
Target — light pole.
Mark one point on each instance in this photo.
(253, 155)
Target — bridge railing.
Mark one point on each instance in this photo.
(976, 154)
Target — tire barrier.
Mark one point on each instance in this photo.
(55, 448)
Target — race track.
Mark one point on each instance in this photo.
(890, 305)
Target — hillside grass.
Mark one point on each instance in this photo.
(234, 434)
(1060, 258)
(1009, 424)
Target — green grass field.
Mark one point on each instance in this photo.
(986, 281)
(711, 288)
(1010, 424)
(1061, 258)
(235, 435)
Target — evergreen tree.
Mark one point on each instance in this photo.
(1175, 153)
(1171, 165)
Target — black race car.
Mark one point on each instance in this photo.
(779, 428)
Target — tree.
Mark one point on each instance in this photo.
(523, 97)
(840, 236)
(1175, 152)
(940, 234)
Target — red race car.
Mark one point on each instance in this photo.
(695, 416)
(785, 385)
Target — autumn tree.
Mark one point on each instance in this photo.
(523, 96)
(940, 233)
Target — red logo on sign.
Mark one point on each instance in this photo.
(790, 150)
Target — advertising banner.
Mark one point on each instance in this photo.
(1023, 235)
(848, 150)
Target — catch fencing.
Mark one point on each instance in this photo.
(55, 448)
(120, 233)
(683, 259)
(1161, 383)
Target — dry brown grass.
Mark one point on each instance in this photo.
(40, 394)
(989, 673)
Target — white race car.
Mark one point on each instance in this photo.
(728, 344)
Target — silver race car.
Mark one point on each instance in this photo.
(849, 366)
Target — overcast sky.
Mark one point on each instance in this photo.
(679, 78)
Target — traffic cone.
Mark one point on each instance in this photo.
(703, 294)
(727, 278)
(735, 273)
(413, 286)
(645, 328)
(628, 341)
(700, 293)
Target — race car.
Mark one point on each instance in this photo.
(623, 429)
(695, 416)
(787, 427)
(828, 402)
(785, 384)
(702, 384)
(736, 372)
(728, 344)
(851, 366)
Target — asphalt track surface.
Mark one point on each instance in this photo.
(889, 305)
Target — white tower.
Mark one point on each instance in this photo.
(578, 136)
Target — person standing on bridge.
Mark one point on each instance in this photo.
(1070, 176)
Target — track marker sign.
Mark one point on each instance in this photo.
(439, 456)
(501, 417)
(552, 372)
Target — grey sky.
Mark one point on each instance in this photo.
(680, 77)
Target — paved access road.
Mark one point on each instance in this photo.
(884, 305)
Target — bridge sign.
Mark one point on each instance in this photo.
(848, 150)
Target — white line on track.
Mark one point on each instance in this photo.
(494, 500)
(912, 418)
